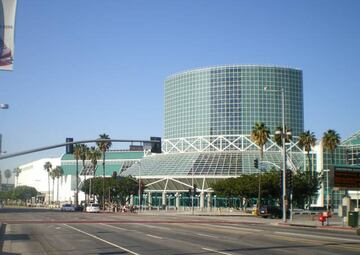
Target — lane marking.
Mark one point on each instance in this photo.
(157, 237)
(103, 240)
(114, 227)
(240, 228)
(199, 234)
(318, 237)
(220, 252)
(158, 227)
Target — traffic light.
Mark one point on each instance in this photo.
(155, 147)
(289, 179)
(256, 163)
(69, 147)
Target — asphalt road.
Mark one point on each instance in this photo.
(36, 231)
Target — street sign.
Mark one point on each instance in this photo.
(345, 177)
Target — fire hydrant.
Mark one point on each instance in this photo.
(322, 219)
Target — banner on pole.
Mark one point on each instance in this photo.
(7, 27)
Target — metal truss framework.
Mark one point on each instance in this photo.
(222, 143)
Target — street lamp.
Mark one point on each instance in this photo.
(327, 193)
(283, 135)
(139, 190)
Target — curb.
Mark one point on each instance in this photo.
(346, 229)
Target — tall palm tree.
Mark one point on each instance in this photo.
(330, 140)
(307, 140)
(53, 176)
(17, 172)
(48, 167)
(94, 155)
(77, 155)
(103, 146)
(7, 175)
(260, 135)
(58, 172)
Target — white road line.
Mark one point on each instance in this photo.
(318, 236)
(220, 252)
(199, 234)
(111, 226)
(157, 237)
(98, 238)
(238, 228)
(158, 227)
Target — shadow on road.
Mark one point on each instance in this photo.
(25, 209)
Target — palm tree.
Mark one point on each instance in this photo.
(94, 155)
(103, 146)
(48, 167)
(53, 176)
(307, 140)
(260, 135)
(77, 155)
(331, 140)
(58, 172)
(17, 172)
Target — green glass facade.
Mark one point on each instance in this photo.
(229, 100)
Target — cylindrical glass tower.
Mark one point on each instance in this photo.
(229, 100)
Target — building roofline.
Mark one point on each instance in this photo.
(230, 65)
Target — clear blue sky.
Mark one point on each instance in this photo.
(87, 67)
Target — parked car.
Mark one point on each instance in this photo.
(67, 208)
(95, 208)
(270, 211)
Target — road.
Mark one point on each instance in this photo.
(40, 231)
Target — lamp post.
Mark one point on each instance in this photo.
(283, 134)
(139, 190)
(327, 194)
(4, 107)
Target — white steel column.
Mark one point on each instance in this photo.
(202, 200)
(149, 201)
(131, 200)
(209, 201)
(177, 195)
(164, 199)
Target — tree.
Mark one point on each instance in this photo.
(52, 175)
(7, 175)
(305, 186)
(23, 193)
(17, 172)
(93, 155)
(77, 155)
(307, 140)
(58, 172)
(103, 147)
(331, 139)
(119, 188)
(260, 135)
(48, 167)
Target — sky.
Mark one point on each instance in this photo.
(86, 67)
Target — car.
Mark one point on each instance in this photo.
(67, 208)
(95, 208)
(270, 211)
